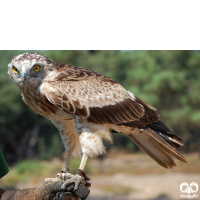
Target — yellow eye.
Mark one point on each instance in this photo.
(36, 68)
(15, 70)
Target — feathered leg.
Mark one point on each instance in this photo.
(70, 140)
(77, 179)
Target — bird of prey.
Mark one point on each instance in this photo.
(87, 106)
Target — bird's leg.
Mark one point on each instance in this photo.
(81, 171)
(64, 171)
(83, 162)
(68, 160)
(80, 177)
(66, 131)
(66, 176)
(70, 138)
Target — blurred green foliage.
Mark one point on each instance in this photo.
(25, 170)
(167, 80)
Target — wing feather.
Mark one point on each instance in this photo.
(96, 97)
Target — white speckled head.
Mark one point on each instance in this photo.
(21, 68)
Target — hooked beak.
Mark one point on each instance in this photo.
(23, 77)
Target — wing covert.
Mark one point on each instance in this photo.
(97, 98)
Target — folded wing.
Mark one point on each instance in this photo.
(96, 97)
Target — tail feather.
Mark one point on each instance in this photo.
(151, 152)
(165, 144)
(157, 147)
(161, 128)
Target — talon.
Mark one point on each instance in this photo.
(86, 178)
(65, 170)
(76, 179)
(71, 182)
(77, 182)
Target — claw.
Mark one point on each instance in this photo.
(86, 178)
(76, 179)
(70, 181)
(65, 170)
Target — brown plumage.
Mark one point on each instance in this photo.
(85, 106)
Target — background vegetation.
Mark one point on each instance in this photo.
(167, 80)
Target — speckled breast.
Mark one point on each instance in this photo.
(39, 103)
